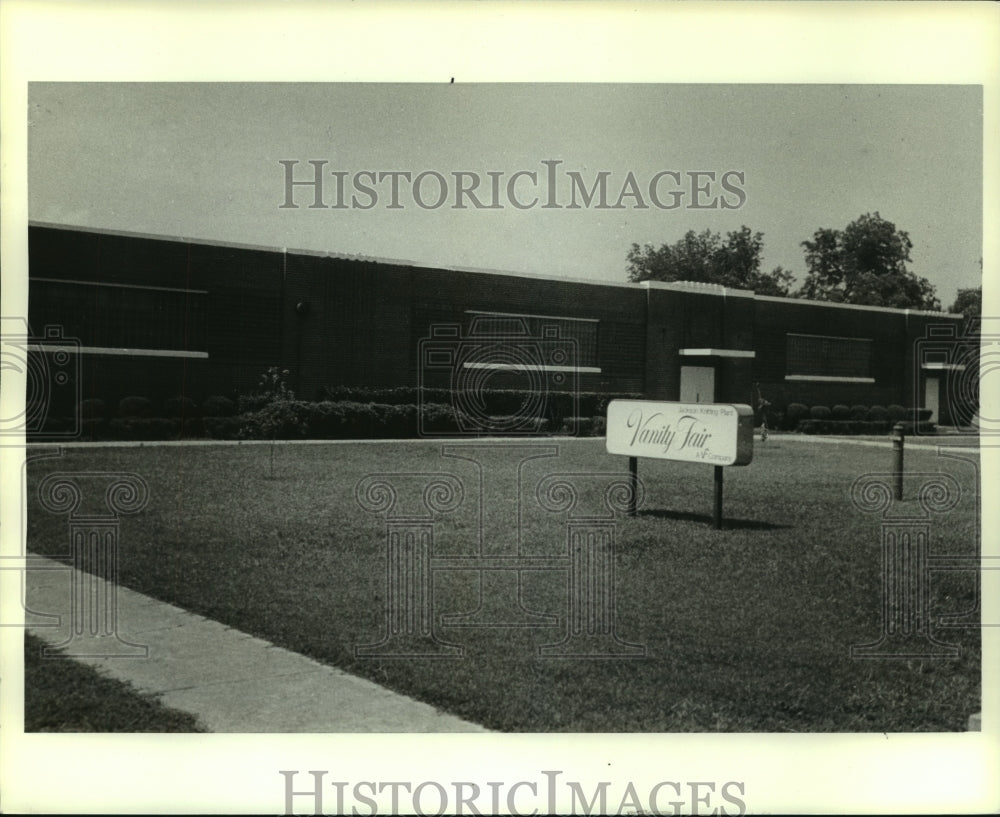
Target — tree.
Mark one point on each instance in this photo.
(969, 303)
(865, 263)
(705, 258)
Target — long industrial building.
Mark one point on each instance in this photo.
(160, 317)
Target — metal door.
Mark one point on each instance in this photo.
(697, 384)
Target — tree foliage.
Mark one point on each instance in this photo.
(706, 258)
(865, 263)
(969, 303)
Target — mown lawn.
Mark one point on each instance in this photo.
(745, 629)
(63, 695)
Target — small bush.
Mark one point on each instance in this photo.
(134, 407)
(600, 427)
(145, 428)
(281, 420)
(859, 412)
(844, 427)
(819, 413)
(180, 407)
(794, 413)
(218, 406)
(897, 413)
(773, 417)
(841, 412)
(93, 408)
(489, 402)
(396, 422)
(877, 414)
(222, 428)
(580, 426)
(271, 388)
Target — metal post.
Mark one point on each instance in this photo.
(717, 514)
(897, 460)
(633, 479)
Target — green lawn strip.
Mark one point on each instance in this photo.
(746, 629)
(63, 695)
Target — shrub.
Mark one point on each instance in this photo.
(773, 417)
(145, 428)
(437, 418)
(841, 412)
(859, 412)
(271, 388)
(488, 402)
(600, 427)
(92, 408)
(222, 428)
(134, 407)
(281, 420)
(922, 415)
(897, 413)
(877, 414)
(580, 426)
(218, 406)
(180, 407)
(844, 427)
(396, 421)
(794, 413)
(819, 413)
(92, 413)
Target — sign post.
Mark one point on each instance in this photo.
(717, 513)
(716, 434)
(633, 482)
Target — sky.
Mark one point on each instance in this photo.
(203, 161)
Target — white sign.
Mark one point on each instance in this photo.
(712, 433)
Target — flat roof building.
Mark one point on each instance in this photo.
(160, 317)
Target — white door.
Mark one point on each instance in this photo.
(697, 384)
(932, 396)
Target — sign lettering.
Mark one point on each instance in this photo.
(712, 433)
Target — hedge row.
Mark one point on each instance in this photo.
(141, 407)
(294, 419)
(494, 402)
(794, 414)
(498, 402)
(863, 427)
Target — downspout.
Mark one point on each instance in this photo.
(911, 378)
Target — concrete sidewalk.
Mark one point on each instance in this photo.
(231, 681)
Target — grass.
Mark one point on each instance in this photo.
(63, 695)
(745, 629)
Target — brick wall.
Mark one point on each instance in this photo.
(335, 321)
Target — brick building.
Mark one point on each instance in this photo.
(161, 317)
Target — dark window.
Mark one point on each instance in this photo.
(576, 336)
(121, 317)
(822, 356)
